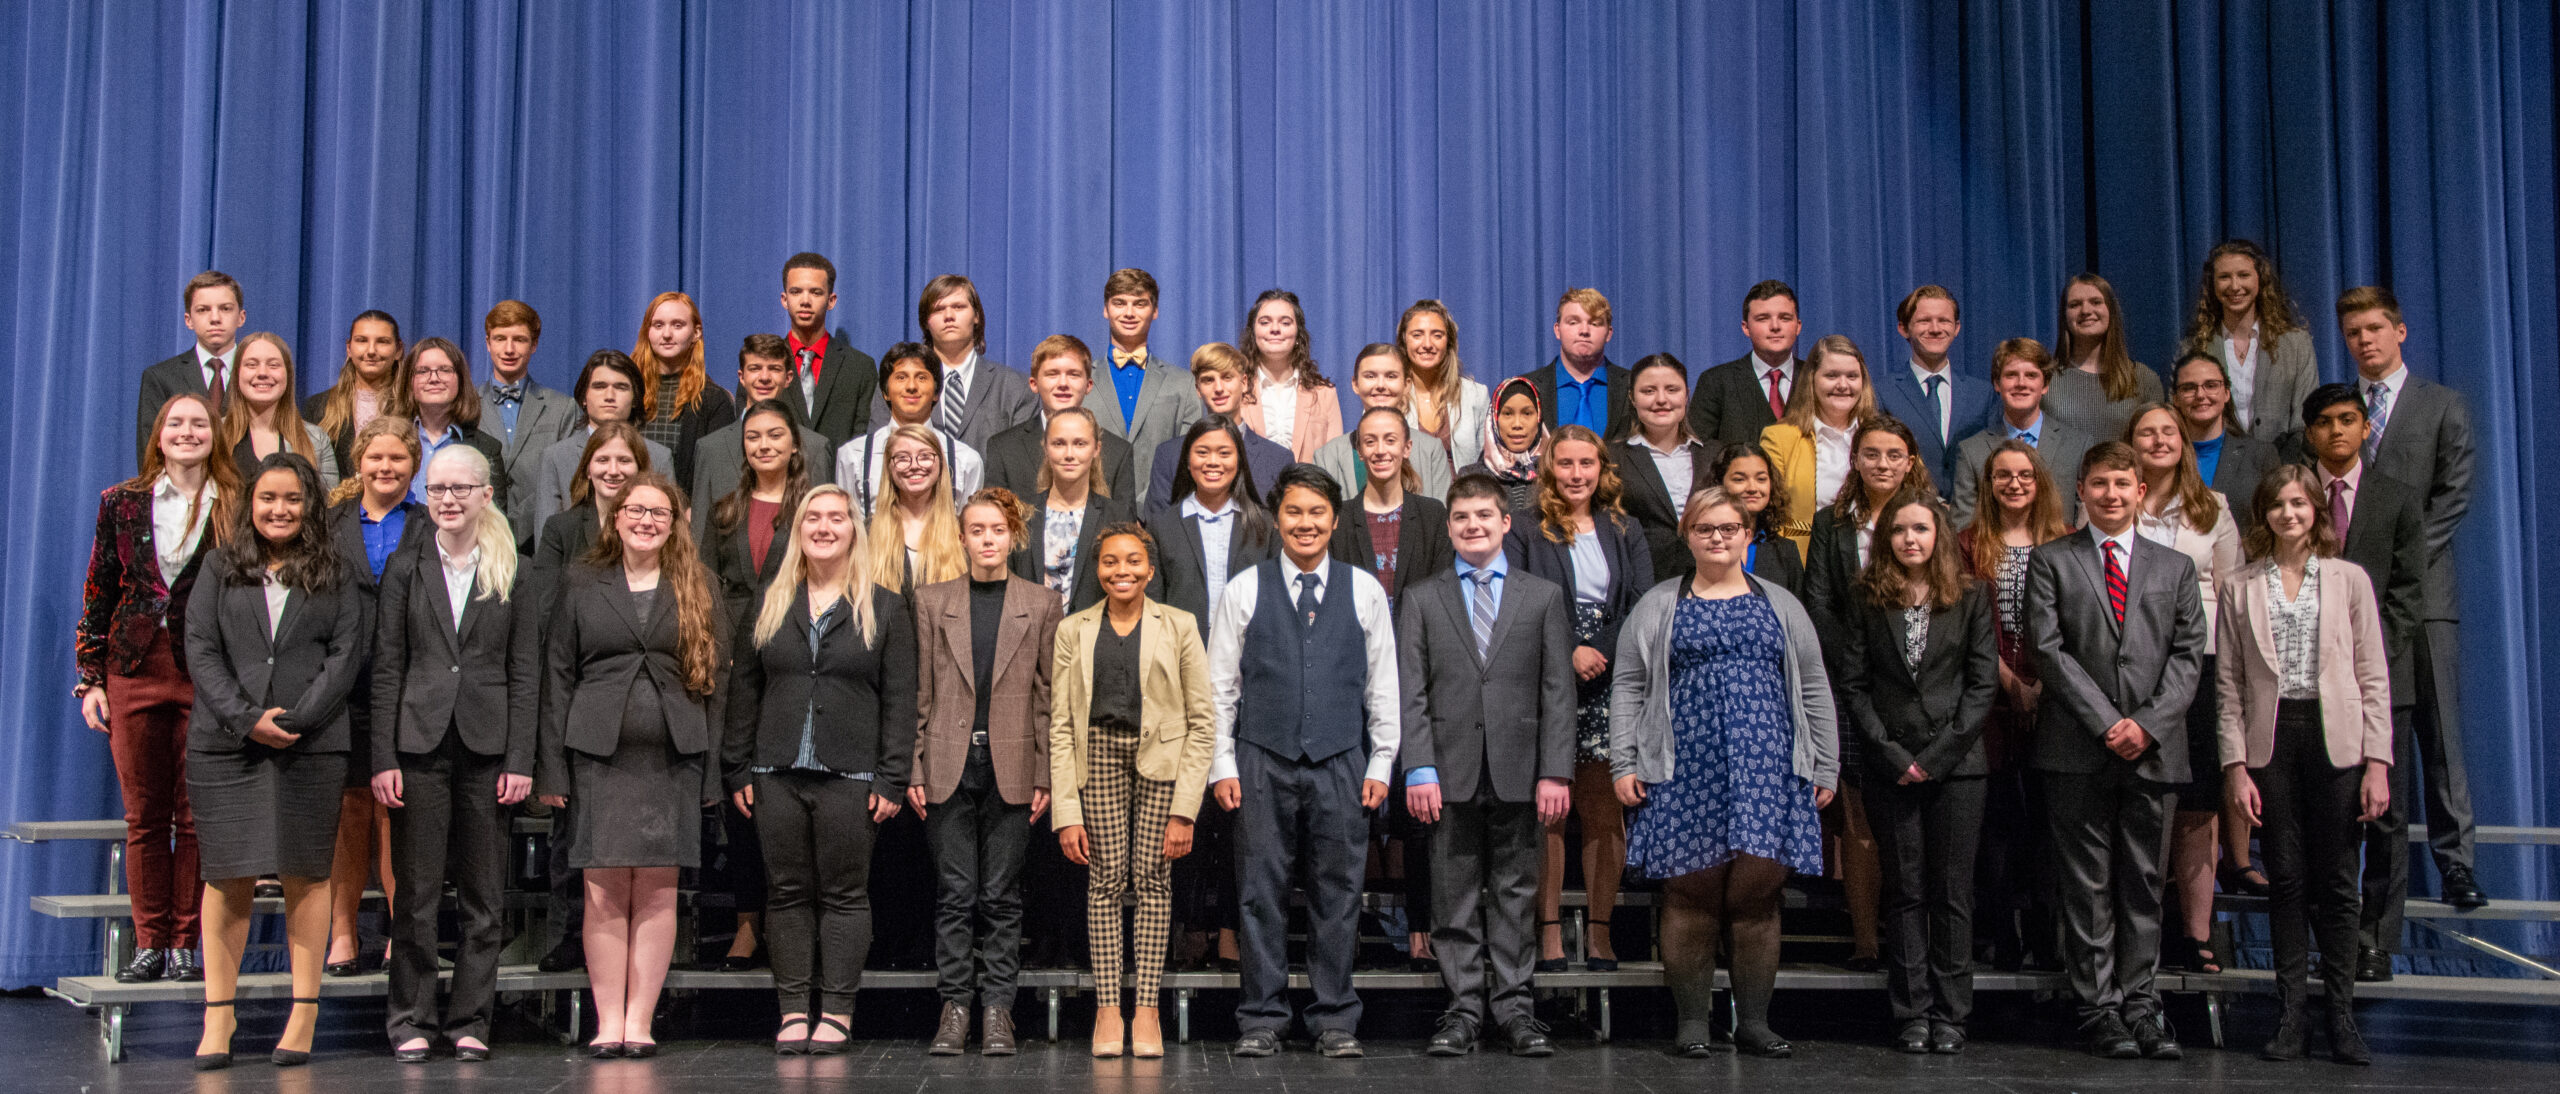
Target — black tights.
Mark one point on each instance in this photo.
(1740, 896)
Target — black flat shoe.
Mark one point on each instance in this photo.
(146, 966)
(471, 1054)
(1601, 964)
(605, 1050)
(816, 1047)
(184, 967)
(215, 1061)
(413, 1055)
(749, 963)
(2235, 880)
(639, 1050)
(1913, 1040)
(294, 1057)
(342, 968)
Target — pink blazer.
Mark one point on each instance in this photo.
(1319, 420)
(2355, 670)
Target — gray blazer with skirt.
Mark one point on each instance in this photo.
(308, 663)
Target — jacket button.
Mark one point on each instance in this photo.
(457, 668)
(271, 660)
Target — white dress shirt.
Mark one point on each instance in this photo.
(2392, 385)
(1279, 409)
(174, 536)
(276, 591)
(1217, 533)
(1235, 610)
(2244, 370)
(963, 376)
(1784, 369)
(1830, 461)
(230, 370)
(2124, 555)
(1675, 467)
(967, 470)
(458, 573)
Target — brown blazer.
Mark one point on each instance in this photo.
(947, 696)
(1319, 420)
(2355, 668)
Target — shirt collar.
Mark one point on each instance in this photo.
(2354, 477)
(817, 348)
(1761, 368)
(165, 488)
(1642, 442)
(1599, 375)
(228, 356)
(2123, 541)
(2035, 428)
(1824, 432)
(2392, 383)
(1191, 507)
(1500, 567)
(468, 560)
(1946, 372)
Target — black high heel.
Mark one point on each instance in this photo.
(216, 1061)
(1550, 964)
(286, 1057)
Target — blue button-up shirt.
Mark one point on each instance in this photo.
(2032, 432)
(381, 537)
(1126, 381)
(427, 450)
(1583, 402)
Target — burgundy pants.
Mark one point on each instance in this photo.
(147, 732)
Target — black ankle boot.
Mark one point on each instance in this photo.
(2346, 1042)
(2287, 1044)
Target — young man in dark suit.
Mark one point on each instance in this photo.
(2231, 462)
(1485, 658)
(1061, 377)
(517, 411)
(1138, 395)
(2420, 434)
(1307, 646)
(832, 381)
(977, 398)
(1741, 397)
(2021, 371)
(2117, 626)
(1939, 405)
(211, 307)
(1581, 386)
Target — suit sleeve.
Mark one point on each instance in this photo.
(1854, 685)
(1124, 480)
(1413, 677)
(1630, 677)
(1558, 688)
(898, 646)
(1066, 806)
(350, 640)
(746, 706)
(217, 687)
(2066, 682)
(527, 614)
(100, 596)
(1635, 577)
(1981, 682)
(1966, 487)
(559, 686)
(2238, 643)
(2404, 597)
(1044, 636)
(390, 661)
(1706, 409)
(2449, 495)
(1199, 719)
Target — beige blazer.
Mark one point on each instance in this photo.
(1180, 730)
(2355, 670)
(947, 696)
(1319, 420)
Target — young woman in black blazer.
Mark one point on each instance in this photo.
(457, 671)
(820, 736)
(437, 399)
(1920, 664)
(154, 531)
(1072, 507)
(1577, 536)
(1883, 461)
(1661, 461)
(630, 729)
(370, 519)
(1391, 497)
(276, 636)
(1751, 481)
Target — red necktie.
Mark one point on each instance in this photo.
(1777, 401)
(2115, 582)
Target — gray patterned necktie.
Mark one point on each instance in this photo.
(955, 402)
(1480, 610)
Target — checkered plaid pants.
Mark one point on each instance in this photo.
(1124, 818)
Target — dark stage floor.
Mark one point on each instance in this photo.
(49, 1046)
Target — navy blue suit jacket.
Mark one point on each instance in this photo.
(1971, 403)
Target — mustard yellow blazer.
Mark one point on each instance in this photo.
(1180, 729)
(1790, 453)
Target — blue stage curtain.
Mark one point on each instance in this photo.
(432, 158)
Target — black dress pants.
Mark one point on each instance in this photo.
(2308, 809)
(817, 833)
(979, 842)
(449, 827)
(1927, 835)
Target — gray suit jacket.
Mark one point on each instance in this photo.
(1167, 405)
(308, 663)
(546, 415)
(1492, 725)
(2095, 674)
(2059, 445)
(559, 469)
(2287, 373)
(2427, 443)
(721, 454)
(2245, 460)
(999, 399)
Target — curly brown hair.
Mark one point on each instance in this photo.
(2276, 313)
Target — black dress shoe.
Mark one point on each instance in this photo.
(605, 1050)
(2346, 1043)
(1255, 1044)
(340, 968)
(749, 963)
(471, 1054)
(1913, 1039)
(146, 966)
(2109, 1039)
(2157, 1041)
(215, 1061)
(184, 966)
(1339, 1044)
(1455, 1037)
(2287, 1044)
(2235, 880)
(1551, 964)
(1863, 964)
(568, 955)
(1528, 1037)
(639, 1050)
(1945, 1039)
(1601, 964)
(416, 1055)
(2461, 891)
(2373, 967)
(293, 1057)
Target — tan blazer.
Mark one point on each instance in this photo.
(1790, 452)
(1319, 420)
(947, 696)
(1180, 730)
(2355, 669)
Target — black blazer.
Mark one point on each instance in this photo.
(1933, 716)
(1727, 405)
(1182, 579)
(845, 382)
(740, 582)
(1621, 417)
(566, 538)
(1648, 499)
(2387, 535)
(346, 530)
(179, 375)
(1013, 460)
(862, 699)
(2244, 461)
(1099, 513)
(1830, 565)
(1422, 543)
(1621, 542)
(483, 681)
(1491, 724)
(596, 651)
(308, 664)
(714, 411)
(1775, 561)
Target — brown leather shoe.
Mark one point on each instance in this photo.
(952, 1036)
(996, 1038)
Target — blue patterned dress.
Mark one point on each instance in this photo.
(1733, 789)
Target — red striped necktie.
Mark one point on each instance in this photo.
(2115, 581)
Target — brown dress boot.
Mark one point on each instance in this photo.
(952, 1036)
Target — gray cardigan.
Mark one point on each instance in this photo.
(1640, 696)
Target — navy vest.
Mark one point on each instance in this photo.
(1301, 687)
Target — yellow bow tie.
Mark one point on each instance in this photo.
(1121, 357)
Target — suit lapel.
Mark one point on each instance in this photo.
(956, 636)
(618, 590)
(1504, 611)
(431, 572)
(2257, 599)
(2095, 573)
(1639, 471)
(1152, 391)
(1016, 626)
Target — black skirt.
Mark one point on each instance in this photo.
(263, 811)
(642, 805)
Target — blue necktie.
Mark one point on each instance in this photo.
(1937, 407)
(2377, 411)
(1307, 597)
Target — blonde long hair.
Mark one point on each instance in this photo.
(491, 535)
(794, 573)
(940, 553)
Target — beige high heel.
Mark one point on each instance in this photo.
(1146, 1034)
(1108, 1033)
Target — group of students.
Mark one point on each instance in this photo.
(1784, 616)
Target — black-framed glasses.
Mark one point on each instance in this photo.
(657, 513)
(438, 491)
(1717, 532)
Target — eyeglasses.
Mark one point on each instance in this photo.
(910, 459)
(2006, 477)
(1718, 532)
(441, 490)
(437, 374)
(2206, 387)
(653, 513)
